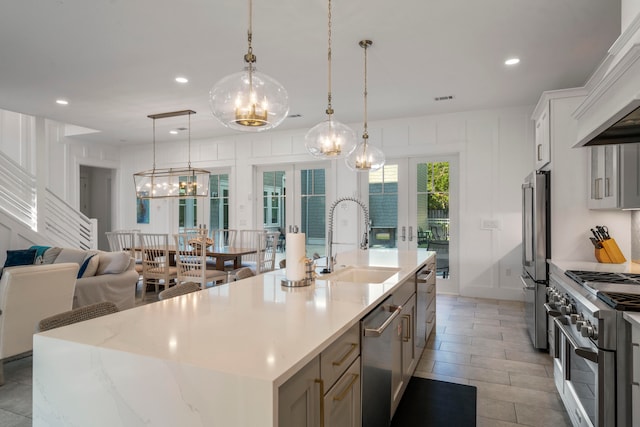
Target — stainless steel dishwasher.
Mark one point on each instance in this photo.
(377, 336)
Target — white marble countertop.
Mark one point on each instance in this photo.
(252, 328)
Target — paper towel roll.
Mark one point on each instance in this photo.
(296, 254)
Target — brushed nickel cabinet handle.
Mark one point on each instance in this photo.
(343, 393)
(406, 332)
(346, 356)
(539, 152)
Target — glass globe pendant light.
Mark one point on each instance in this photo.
(249, 101)
(330, 139)
(365, 157)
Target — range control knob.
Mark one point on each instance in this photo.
(567, 308)
(579, 324)
(589, 331)
(574, 318)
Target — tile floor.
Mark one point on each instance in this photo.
(479, 342)
(485, 343)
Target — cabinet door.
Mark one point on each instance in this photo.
(342, 403)
(405, 360)
(299, 398)
(635, 377)
(543, 139)
(629, 176)
(603, 175)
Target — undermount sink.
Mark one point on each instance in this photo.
(362, 274)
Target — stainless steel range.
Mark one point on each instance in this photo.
(590, 343)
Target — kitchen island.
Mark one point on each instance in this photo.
(213, 357)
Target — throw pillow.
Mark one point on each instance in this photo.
(92, 266)
(19, 257)
(89, 266)
(71, 255)
(113, 262)
(50, 255)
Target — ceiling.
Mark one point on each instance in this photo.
(115, 60)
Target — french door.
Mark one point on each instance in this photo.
(295, 196)
(413, 205)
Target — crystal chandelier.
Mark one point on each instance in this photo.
(330, 139)
(159, 183)
(365, 157)
(249, 101)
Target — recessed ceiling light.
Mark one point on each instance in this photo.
(62, 102)
(182, 80)
(173, 132)
(512, 61)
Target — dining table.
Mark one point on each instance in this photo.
(220, 253)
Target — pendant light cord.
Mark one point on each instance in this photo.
(154, 144)
(329, 107)
(365, 135)
(250, 57)
(189, 143)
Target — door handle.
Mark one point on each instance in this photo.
(411, 233)
(370, 332)
(404, 233)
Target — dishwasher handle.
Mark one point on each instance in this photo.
(371, 332)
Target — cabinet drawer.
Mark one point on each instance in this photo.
(431, 294)
(342, 403)
(335, 360)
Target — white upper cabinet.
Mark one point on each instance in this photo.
(543, 137)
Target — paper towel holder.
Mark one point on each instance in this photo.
(308, 279)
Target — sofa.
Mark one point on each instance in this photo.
(102, 276)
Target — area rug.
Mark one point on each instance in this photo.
(436, 404)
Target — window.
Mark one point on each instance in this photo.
(219, 201)
(274, 199)
(312, 209)
(433, 202)
(383, 206)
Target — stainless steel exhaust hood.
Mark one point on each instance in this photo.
(610, 113)
(625, 130)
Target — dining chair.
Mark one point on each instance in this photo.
(267, 254)
(191, 260)
(126, 240)
(156, 261)
(441, 247)
(76, 315)
(180, 289)
(255, 240)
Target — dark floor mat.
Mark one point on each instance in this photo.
(436, 404)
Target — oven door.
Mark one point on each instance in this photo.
(589, 377)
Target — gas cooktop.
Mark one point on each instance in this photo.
(583, 277)
(620, 291)
(621, 301)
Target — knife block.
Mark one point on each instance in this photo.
(609, 253)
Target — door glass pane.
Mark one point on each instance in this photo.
(187, 210)
(383, 207)
(274, 200)
(433, 211)
(312, 210)
(219, 201)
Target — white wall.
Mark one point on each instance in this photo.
(494, 148)
(495, 152)
(629, 10)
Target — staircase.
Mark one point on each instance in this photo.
(31, 217)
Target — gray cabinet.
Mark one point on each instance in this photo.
(299, 399)
(635, 376)
(327, 390)
(403, 350)
(614, 177)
